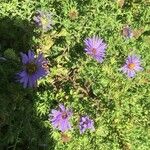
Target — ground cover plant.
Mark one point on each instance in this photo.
(74, 74)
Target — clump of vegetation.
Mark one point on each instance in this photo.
(85, 86)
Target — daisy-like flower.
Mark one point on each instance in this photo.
(95, 47)
(33, 69)
(60, 118)
(44, 20)
(131, 66)
(127, 32)
(85, 123)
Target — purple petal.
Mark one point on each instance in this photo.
(97, 44)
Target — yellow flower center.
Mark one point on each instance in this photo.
(44, 21)
(131, 66)
(31, 68)
(94, 51)
(64, 115)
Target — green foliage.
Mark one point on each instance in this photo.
(119, 106)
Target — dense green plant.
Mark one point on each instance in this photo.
(119, 106)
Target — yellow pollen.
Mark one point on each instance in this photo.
(131, 66)
(94, 51)
(44, 21)
(31, 68)
(64, 115)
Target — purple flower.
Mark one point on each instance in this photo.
(43, 19)
(95, 47)
(131, 66)
(127, 32)
(60, 118)
(85, 123)
(33, 69)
